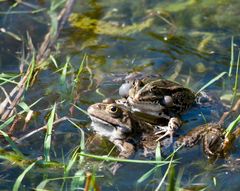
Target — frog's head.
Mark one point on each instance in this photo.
(110, 119)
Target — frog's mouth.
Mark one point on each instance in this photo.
(107, 129)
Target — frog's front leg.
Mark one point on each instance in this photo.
(126, 149)
(173, 124)
(119, 144)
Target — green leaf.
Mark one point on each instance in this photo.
(6, 123)
(232, 57)
(235, 88)
(80, 69)
(24, 106)
(64, 71)
(212, 81)
(20, 178)
(80, 109)
(158, 155)
(9, 140)
(113, 159)
(42, 184)
(82, 141)
(47, 141)
(165, 175)
(232, 125)
(146, 175)
(78, 180)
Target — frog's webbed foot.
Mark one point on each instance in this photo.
(173, 124)
(167, 132)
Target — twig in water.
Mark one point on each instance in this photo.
(40, 129)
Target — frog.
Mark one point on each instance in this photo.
(214, 140)
(129, 132)
(136, 79)
(211, 135)
(111, 121)
(160, 98)
(122, 127)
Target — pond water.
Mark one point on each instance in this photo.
(185, 41)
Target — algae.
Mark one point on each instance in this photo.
(108, 28)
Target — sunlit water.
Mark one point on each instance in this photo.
(185, 41)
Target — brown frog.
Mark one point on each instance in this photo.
(160, 98)
(214, 140)
(213, 136)
(122, 127)
(111, 121)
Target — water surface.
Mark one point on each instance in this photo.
(185, 41)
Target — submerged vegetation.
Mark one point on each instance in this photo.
(67, 55)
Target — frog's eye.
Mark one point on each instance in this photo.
(168, 101)
(114, 110)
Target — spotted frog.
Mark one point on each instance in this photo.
(215, 142)
(160, 98)
(111, 121)
(122, 127)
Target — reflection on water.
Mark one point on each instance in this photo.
(186, 41)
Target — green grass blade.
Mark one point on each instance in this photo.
(55, 4)
(171, 179)
(48, 136)
(35, 102)
(20, 178)
(212, 81)
(54, 23)
(113, 159)
(71, 163)
(165, 175)
(232, 125)
(232, 57)
(24, 106)
(150, 172)
(8, 122)
(42, 185)
(146, 175)
(158, 155)
(11, 34)
(76, 80)
(82, 141)
(78, 180)
(64, 72)
(10, 80)
(31, 71)
(9, 140)
(178, 179)
(27, 108)
(54, 61)
(80, 109)
(235, 88)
